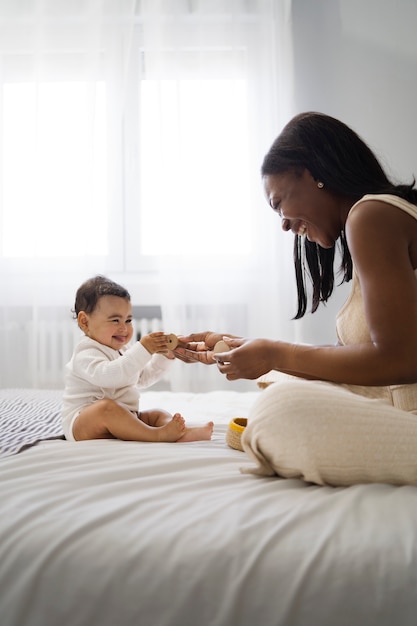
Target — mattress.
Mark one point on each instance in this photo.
(173, 534)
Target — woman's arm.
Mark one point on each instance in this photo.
(383, 243)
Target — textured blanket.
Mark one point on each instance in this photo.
(27, 417)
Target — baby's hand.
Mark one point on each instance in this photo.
(159, 342)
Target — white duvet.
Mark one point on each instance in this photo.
(111, 533)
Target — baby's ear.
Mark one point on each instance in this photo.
(82, 319)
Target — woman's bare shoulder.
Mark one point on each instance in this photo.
(372, 216)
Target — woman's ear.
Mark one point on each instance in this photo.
(82, 319)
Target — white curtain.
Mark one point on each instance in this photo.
(63, 95)
(132, 135)
(232, 282)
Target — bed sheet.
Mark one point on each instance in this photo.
(160, 534)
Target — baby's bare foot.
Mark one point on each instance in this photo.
(198, 433)
(173, 430)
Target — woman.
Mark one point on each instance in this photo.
(348, 413)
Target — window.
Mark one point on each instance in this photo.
(108, 156)
(193, 147)
(54, 170)
(194, 167)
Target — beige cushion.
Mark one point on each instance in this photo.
(267, 379)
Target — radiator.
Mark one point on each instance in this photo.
(42, 348)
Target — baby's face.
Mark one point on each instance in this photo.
(111, 322)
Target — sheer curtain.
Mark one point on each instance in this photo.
(63, 94)
(234, 280)
(131, 136)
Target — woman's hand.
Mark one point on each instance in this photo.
(248, 358)
(198, 347)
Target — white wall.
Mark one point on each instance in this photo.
(357, 60)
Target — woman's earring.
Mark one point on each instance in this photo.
(320, 185)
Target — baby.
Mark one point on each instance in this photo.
(103, 377)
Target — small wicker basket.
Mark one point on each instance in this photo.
(234, 432)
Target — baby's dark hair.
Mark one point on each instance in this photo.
(89, 293)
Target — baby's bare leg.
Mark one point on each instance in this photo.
(197, 433)
(105, 419)
(155, 417)
(160, 417)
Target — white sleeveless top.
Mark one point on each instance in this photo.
(352, 328)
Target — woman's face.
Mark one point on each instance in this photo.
(305, 208)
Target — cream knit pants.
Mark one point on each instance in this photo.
(328, 435)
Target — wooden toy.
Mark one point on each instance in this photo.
(172, 341)
(221, 346)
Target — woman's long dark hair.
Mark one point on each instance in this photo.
(335, 155)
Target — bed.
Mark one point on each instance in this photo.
(116, 533)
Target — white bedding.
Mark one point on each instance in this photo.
(115, 533)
